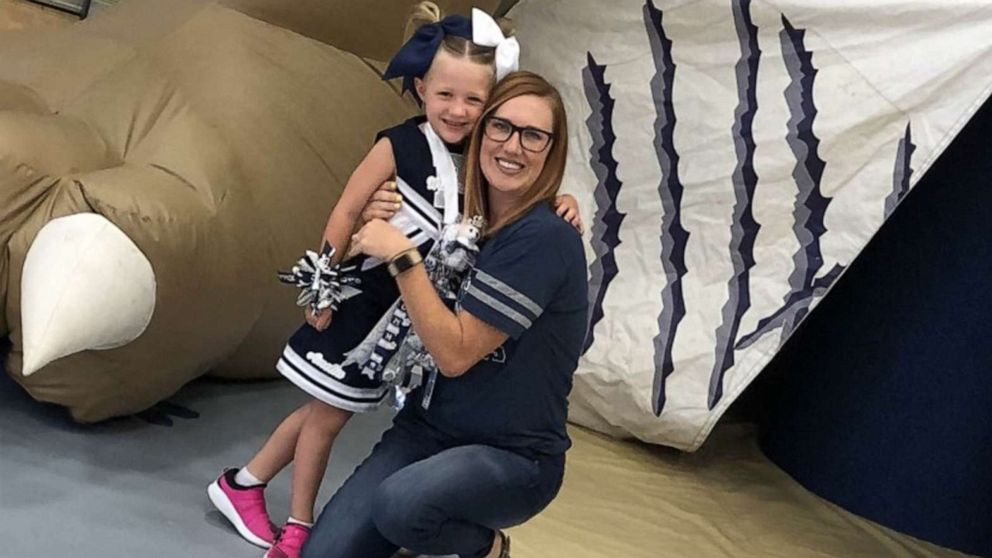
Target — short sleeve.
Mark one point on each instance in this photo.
(514, 281)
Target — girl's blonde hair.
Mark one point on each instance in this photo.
(545, 188)
(424, 13)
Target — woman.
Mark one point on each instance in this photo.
(489, 450)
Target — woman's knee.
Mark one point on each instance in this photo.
(401, 512)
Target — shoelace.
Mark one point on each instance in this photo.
(293, 535)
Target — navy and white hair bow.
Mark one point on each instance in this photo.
(486, 32)
(414, 58)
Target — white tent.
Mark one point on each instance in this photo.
(732, 158)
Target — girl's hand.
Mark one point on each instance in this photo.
(380, 240)
(318, 321)
(383, 204)
(567, 207)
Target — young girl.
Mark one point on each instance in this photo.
(452, 76)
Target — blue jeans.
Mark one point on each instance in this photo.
(418, 493)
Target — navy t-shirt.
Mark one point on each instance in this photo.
(530, 283)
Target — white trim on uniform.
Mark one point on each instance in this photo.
(416, 218)
(311, 372)
(420, 238)
(427, 215)
(302, 382)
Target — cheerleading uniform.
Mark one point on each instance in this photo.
(317, 361)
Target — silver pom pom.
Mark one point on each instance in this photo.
(322, 285)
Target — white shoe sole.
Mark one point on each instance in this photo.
(224, 506)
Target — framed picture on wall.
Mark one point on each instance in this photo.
(79, 8)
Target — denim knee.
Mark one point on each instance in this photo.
(400, 515)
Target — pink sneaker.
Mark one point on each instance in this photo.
(244, 508)
(290, 541)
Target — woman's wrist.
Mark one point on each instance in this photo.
(404, 261)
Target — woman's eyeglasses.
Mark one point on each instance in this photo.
(532, 139)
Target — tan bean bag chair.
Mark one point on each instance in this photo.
(157, 166)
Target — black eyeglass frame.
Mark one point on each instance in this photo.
(514, 129)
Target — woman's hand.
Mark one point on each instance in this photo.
(383, 204)
(567, 207)
(318, 321)
(380, 240)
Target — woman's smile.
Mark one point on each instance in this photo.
(509, 168)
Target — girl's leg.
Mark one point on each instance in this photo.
(453, 502)
(320, 427)
(242, 502)
(278, 450)
(345, 528)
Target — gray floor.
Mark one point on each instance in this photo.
(136, 486)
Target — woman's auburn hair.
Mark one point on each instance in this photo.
(545, 188)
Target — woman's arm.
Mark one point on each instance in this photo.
(383, 204)
(456, 341)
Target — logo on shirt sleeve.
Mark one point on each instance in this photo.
(498, 356)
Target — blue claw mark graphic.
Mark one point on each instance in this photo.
(744, 229)
(810, 205)
(673, 236)
(606, 224)
(903, 172)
